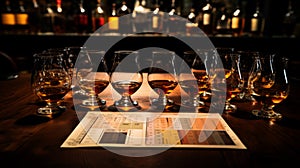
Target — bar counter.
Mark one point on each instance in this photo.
(30, 141)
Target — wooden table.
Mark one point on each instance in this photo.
(29, 141)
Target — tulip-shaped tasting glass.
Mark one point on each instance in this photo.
(230, 61)
(187, 81)
(126, 79)
(92, 76)
(162, 78)
(204, 70)
(246, 63)
(270, 85)
(50, 81)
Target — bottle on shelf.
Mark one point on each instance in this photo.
(59, 18)
(81, 19)
(192, 25)
(8, 20)
(140, 16)
(47, 18)
(34, 19)
(207, 18)
(257, 24)
(175, 23)
(113, 19)
(238, 20)
(125, 19)
(98, 16)
(21, 16)
(123, 10)
(156, 18)
(289, 21)
(223, 22)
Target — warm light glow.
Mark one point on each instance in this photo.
(191, 15)
(172, 12)
(99, 9)
(124, 8)
(59, 9)
(223, 17)
(237, 12)
(82, 10)
(156, 11)
(206, 7)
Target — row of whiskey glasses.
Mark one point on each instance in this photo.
(244, 75)
(125, 77)
(248, 76)
(202, 74)
(269, 84)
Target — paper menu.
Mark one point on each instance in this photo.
(150, 129)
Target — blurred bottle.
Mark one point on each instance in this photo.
(34, 17)
(140, 17)
(98, 16)
(59, 19)
(175, 23)
(8, 20)
(113, 19)
(21, 16)
(81, 18)
(257, 22)
(123, 10)
(289, 21)
(47, 19)
(192, 25)
(223, 22)
(238, 20)
(207, 18)
(156, 18)
(125, 23)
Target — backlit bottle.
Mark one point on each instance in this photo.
(81, 19)
(125, 19)
(223, 22)
(34, 19)
(238, 21)
(289, 21)
(98, 16)
(60, 19)
(113, 19)
(207, 17)
(7, 18)
(257, 22)
(156, 18)
(21, 17)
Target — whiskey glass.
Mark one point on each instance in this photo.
(187, 81)
(50, 81)
(92, 76)
(71, 55)
(163, 79)
(270, 85)
(204, 71)
(230, 62)
(126, 78)
(246, 64)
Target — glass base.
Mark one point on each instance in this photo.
(125, 104)
(164, 105)
(93, 103)
(50, 111)
(270, 114)
(229, 108)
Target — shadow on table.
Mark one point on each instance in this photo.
(32, 120)
(289, 122)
